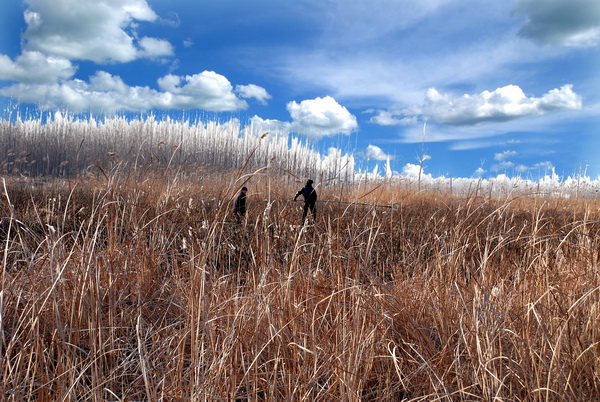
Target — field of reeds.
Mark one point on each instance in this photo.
(138, 285)
(68, 146)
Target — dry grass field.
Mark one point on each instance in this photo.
(125, 287)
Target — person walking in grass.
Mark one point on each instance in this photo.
(310, 199)
(239, 207)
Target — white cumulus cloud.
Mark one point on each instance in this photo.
(253, 91)
(97, 30)
(504, 165)
(34, 67)
(276, 127)
(105, 31)
(501, 156)
(153, 47)
(574, 23)
(503, 104)
(415, 171)
(479, 172)
(105, 93)
(320, 117)
(314, 118)
(547, 165)
(207, 90)
(373, 152)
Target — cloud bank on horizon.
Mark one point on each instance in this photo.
(387, 66)
(507, 103)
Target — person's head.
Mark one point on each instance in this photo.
(244, 189)
(309, 182)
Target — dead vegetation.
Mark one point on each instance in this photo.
(142, 288)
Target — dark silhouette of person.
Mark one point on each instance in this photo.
(239, 207)
(310, 199)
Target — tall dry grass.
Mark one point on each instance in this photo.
(68, 146)
(141, 288)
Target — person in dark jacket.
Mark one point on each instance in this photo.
(239, 207)
(310, 199)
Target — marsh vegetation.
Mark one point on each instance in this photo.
(129, 288)
(131, 281)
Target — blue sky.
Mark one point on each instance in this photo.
(505, 86)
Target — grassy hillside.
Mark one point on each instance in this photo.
(140, 286)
